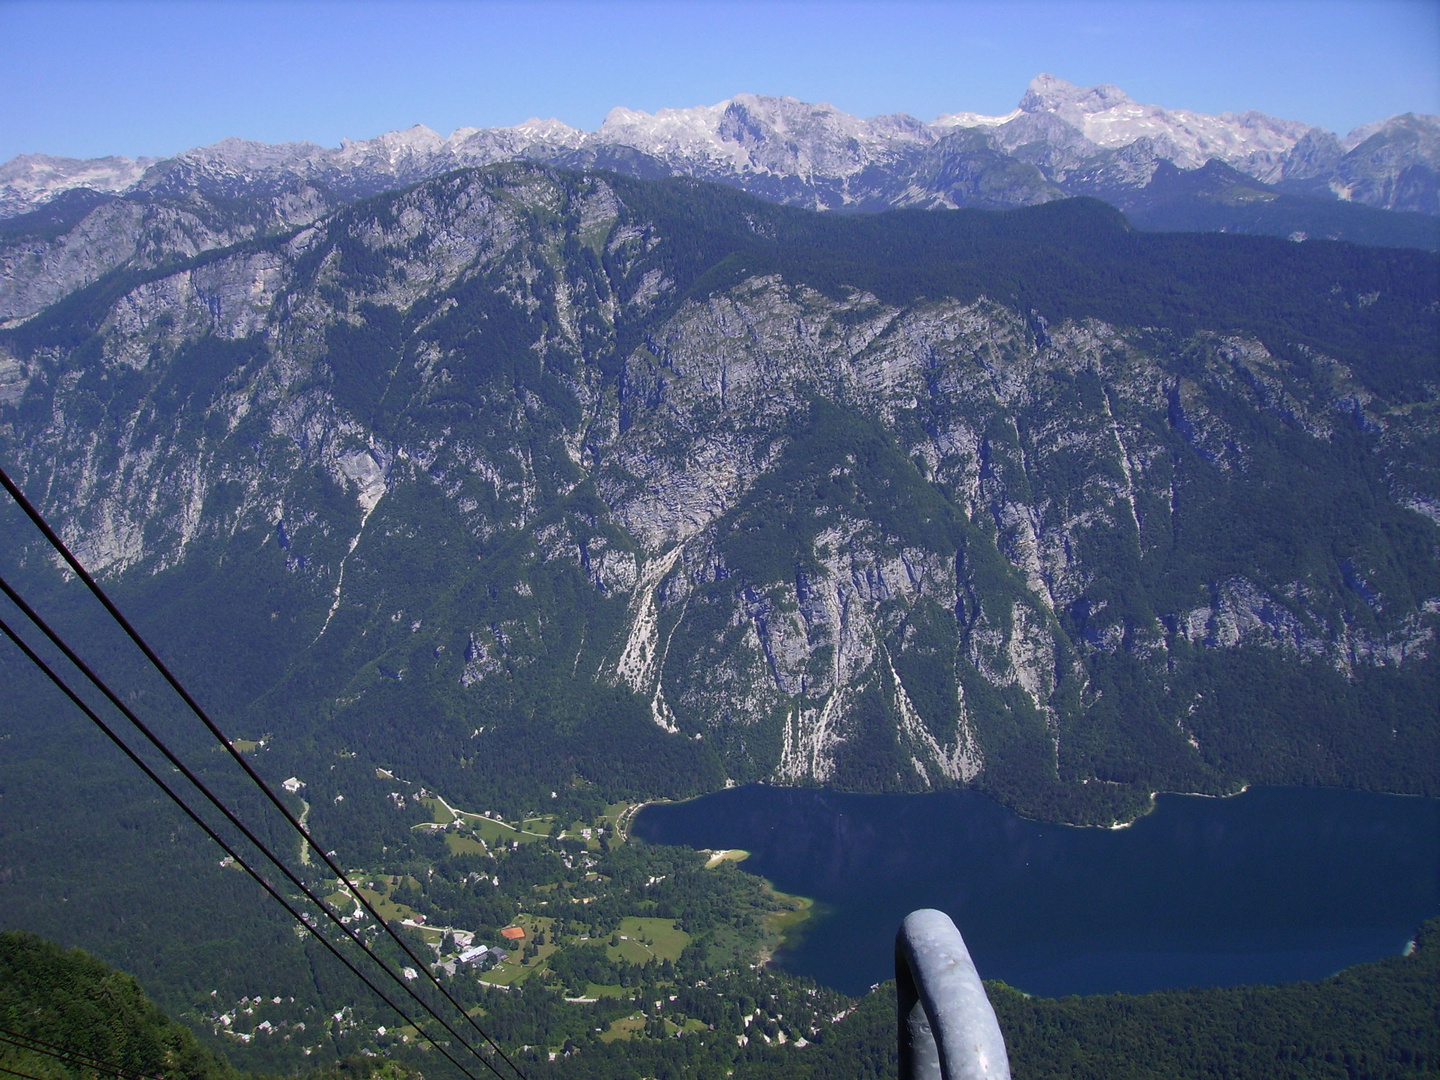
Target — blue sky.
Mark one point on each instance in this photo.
(92, 78)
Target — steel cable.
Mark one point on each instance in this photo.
(240, 860)
(74, 1057)
(59, 545)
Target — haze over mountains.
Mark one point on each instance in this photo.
(64, 223)
(1060, 140)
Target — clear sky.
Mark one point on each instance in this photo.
(86, 78)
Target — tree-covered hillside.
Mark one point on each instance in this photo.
(68, 1000)
(655, 484)
(1375, 1020)
(521, 482)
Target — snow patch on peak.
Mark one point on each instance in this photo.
(678, 127)
(39, 175)
(799, 152)
(417, 136)
(1251, 141)
(415, 141)
(970, 119)
(757, 133)
(549, 130)
(690, 135)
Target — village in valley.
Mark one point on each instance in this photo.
(522, 948)
(565, 926)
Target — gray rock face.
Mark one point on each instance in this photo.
(1062, 140)
(1395, 167)
(969, 518)
(811, 155)
(41, 266)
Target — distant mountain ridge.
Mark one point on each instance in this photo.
(1060, 140)
(66, 223)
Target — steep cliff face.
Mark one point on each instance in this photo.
(1074, 452)
(513, 450)
(82, 237)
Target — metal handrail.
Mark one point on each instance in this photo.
(946, 1026)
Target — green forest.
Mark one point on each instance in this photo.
(457, 643)
(1375, 1020)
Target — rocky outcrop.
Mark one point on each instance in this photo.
(840, 539)
(1062, 140)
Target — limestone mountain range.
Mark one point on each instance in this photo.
(520, 458)
(1060, 140)
(64, 223)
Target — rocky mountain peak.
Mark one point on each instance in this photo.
(1063, 139)
(1252, 141)
(1419, 129)
(418, 144)
(248, 155)
(788, 135)
(760, 133)
(415, 137)
(688, 134)
(1047, 93)
(548, 130)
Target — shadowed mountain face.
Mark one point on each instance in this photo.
(523, 476)
(1379, 185)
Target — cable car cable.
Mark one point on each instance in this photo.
(219, 804)
(23, 1076)
(74, 1057)
(150, 654)
(239, 859)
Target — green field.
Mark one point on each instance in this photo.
(644, 939)
(464, 845)
(627, 1027)
(492, 830)
(599, 990)
(387, 908)
(504, 974)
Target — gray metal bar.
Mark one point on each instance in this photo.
(946, 1027)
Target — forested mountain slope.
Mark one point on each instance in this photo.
(69, 1002)
(1372, 1020)
(523, 476)
(73, 1002)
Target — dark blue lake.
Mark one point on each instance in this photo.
(1274, 885)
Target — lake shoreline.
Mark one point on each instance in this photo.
(1115, 825)
(1284, 885)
